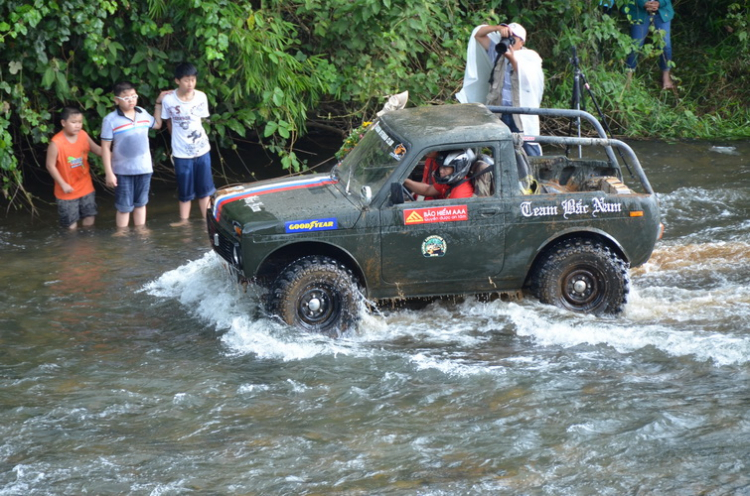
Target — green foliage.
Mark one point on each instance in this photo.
(272, 68)
(381, 48)
(351, 141)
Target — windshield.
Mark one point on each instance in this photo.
(371, 162)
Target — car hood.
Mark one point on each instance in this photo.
(293, 204)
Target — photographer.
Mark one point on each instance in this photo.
(517, 78)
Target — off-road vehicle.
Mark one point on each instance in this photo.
(566, 230)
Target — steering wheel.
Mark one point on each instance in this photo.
(407, 193)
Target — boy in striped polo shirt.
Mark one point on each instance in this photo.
(127, 155)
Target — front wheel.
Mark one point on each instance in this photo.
(582, 276)
(318, 294)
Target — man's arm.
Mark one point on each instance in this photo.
(482, 34)
(421, 188)
(510, 54)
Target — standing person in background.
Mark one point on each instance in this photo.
(68, 164)
(517, 78)
(644, 14)
(126, 153)
(183, 110)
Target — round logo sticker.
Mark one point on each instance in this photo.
(434, 246)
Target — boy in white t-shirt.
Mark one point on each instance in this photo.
(183, 110)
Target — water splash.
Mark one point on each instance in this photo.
(677, 320)
(206, 289)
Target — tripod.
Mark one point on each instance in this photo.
(577, 103)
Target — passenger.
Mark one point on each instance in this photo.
(450, 178)
(481, 175)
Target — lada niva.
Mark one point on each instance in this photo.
(564, 230)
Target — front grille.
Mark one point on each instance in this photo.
(222, 244)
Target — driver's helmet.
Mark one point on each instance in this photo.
(461, 161)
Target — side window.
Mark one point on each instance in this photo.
(482, 173)
(453, 174)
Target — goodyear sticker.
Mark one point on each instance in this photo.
(296, 226)
(434, 246)
(457, 213)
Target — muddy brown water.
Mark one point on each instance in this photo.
(131, 364)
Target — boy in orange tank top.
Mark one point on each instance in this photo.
(68, 164)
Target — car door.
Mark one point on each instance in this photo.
(443, 241)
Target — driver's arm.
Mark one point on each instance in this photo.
(423, 189)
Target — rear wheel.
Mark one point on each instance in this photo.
(318, 294)
(582, 276)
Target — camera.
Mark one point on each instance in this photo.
(504, 44)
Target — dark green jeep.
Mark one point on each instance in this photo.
(564, 229)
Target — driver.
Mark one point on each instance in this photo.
(449, 179)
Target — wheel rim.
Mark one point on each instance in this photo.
(317, 306)
(582, 288)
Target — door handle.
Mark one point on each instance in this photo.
(487, 212)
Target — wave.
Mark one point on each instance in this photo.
(678, 321)
(702, 214)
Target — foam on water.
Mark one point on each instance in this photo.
(701, 214)
(205, 288)
(673, 319)
(627, 334)
(452, 366)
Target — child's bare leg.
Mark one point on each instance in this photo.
(139, 216)
(203, 204)
(122, 219)
(88, 221)
(185, 210)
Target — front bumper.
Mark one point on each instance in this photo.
(226, 245)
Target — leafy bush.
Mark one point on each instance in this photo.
(273, 68)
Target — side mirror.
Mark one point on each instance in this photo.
(366, 193)
(397, 194)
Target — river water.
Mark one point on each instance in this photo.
(132, 364)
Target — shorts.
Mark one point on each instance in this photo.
(132, 192)
(71, 211)
(194, 177)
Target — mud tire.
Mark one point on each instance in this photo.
(582, 276)
(317, 294)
